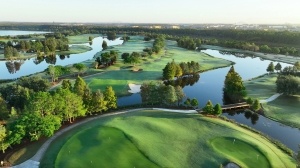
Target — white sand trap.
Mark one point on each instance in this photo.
(134, 88)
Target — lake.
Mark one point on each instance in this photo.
(18, 32)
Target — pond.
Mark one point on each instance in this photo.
(16, 69)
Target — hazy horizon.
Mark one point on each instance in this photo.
(155, 11)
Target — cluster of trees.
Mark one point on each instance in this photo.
(189, 43)
(44, 47)
(106, 59)
(288, 80)
(172, 69)
(111, 35)
(56, 71)
(191, 103)
(255, 105)
(271, 68)
(159, 94)
(32, 112)
(209, 108)
(132, 58)
(234, 89)
(158, 44)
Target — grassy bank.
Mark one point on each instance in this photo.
(272, 57)
(162, 139)
(120, 74)
(75, 49)
(284, 109)
(262, 87)
(83, 38)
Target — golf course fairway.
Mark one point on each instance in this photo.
(154, 138)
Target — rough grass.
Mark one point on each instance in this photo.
(25, 153)
(164, 138)
(285, 109)
(75, 49)
(83, 38)
(119, 75)
(261, 87)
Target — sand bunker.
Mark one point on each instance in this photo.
(134, 88)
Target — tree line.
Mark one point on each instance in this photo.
(30, 111)
(172, 69)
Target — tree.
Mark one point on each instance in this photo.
(66, 84)
(169, 94)
(80, 68)
(179, 94)
(217, 109)
(111, 35)
(297, 65)
(90, 38)
(288, 84)
(187, 102)
(35, 83)
(98, 104)
(249, 100)
(79, 86)
(52, 72)
(194, 103)
(3, 109)
(256, 105)
(15, 95)
(3, 135)
(110, 97)
(104, 45)
(68, 105)
(278, 67)
(234, 88)
(134, 58)
(208, 108)
(169, 71)
(271, 68)
(51, 44)
(8, 52)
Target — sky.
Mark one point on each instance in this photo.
(152, 11)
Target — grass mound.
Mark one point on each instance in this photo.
(235, 150)
(152, 138)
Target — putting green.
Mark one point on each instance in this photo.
(151, 138)
(240, 152)
(99, 147)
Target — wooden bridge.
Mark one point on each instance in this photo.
(231, 107)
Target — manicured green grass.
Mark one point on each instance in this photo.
(93, 148)
(261, 87)
(83, 38)
(150, 137)
(285, 109)
(119, 75)
(235, 150)
(75, 49)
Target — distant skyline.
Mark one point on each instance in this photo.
(154, 11)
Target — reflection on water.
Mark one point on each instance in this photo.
(13, 66)
(253, 117)
(188, 80)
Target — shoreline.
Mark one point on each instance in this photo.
(272, 57)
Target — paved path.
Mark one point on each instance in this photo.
(275, 96)
(34, 162)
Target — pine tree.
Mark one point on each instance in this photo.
(234, 88)
(208, 108)
(218, 109)
(256, 105)
(110, 98)
(79, 86)
(271, 68)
